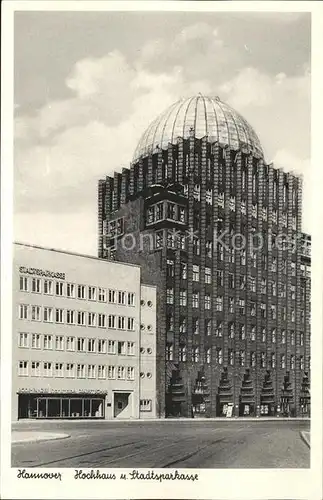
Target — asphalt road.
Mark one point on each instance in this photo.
(174, 444)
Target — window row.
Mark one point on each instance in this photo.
(72, 317)
(78, 344)
(234, 330)
(74, 370)
(238, 357)
(71, 290)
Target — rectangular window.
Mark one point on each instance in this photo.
(112, 321)
(121, 373)
(91, 319)
(195, 299)
(195, 326)
(145, 405)
(102, 320)
(59, 288)
(48, 287)
(207, 301)
(219, 277)
(23, 284)
(231, 357)
(219, 357)
(252, 284)
(70, 343)
(130, 373)
(273, 360)
(170, 268)
(159, 239)
(182, 298)
(263, 310)
(208, 327)
(81, 318)
(170, 296)
(59, 315)
(208, 248)
(231, 305)
(70, 290)
(111, 347)
(122, 298)
(35, 368)
(131, 299)
(121, 348)
(130, 324)
(59, 371)
(130, 348)
(91, 371)
(59, 343)
(273, 312)
(218, 330)
(48, 341)
(23, 340)
(196, 355)
(273, 336)
(70, 317)
(252, 309)
(111, 372)
(81, 292)
(80, 371)
(102, 346)
(283, 337)
(35, 313)
(48, 314)
(36, 285)
(121, 322)
(81, 344)
(48, 369)
(91, 292)
(231, 281)
(208, 276)
(196, 273)
(91, 345)
(263, 360)
(183, 270)
(169, 352)
(101, 371)
(35, 341)
(182, 353)
(70, 370)
(102, 295)
(182, 324)
(219, 303)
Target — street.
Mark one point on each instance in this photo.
(174, 444)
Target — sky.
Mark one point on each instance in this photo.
(88, 84)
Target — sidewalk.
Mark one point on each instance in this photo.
(33, 436)
(27, 421)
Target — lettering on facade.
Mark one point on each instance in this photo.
(41, 272)
(60, 391)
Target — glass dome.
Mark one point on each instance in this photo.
(206, 116)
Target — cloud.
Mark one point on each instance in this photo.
(62, 149)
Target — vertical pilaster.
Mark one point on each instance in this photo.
(216, 342)
(261, 273)
(101, 195)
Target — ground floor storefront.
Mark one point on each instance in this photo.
(61, 406)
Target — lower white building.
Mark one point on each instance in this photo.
(84, 337)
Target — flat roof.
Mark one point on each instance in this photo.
(66, 252)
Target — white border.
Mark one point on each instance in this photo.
(212, 484)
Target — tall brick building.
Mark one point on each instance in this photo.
(203, 214)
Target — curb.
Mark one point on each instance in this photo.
(20, 423)
(40, 439)
(305, 438)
